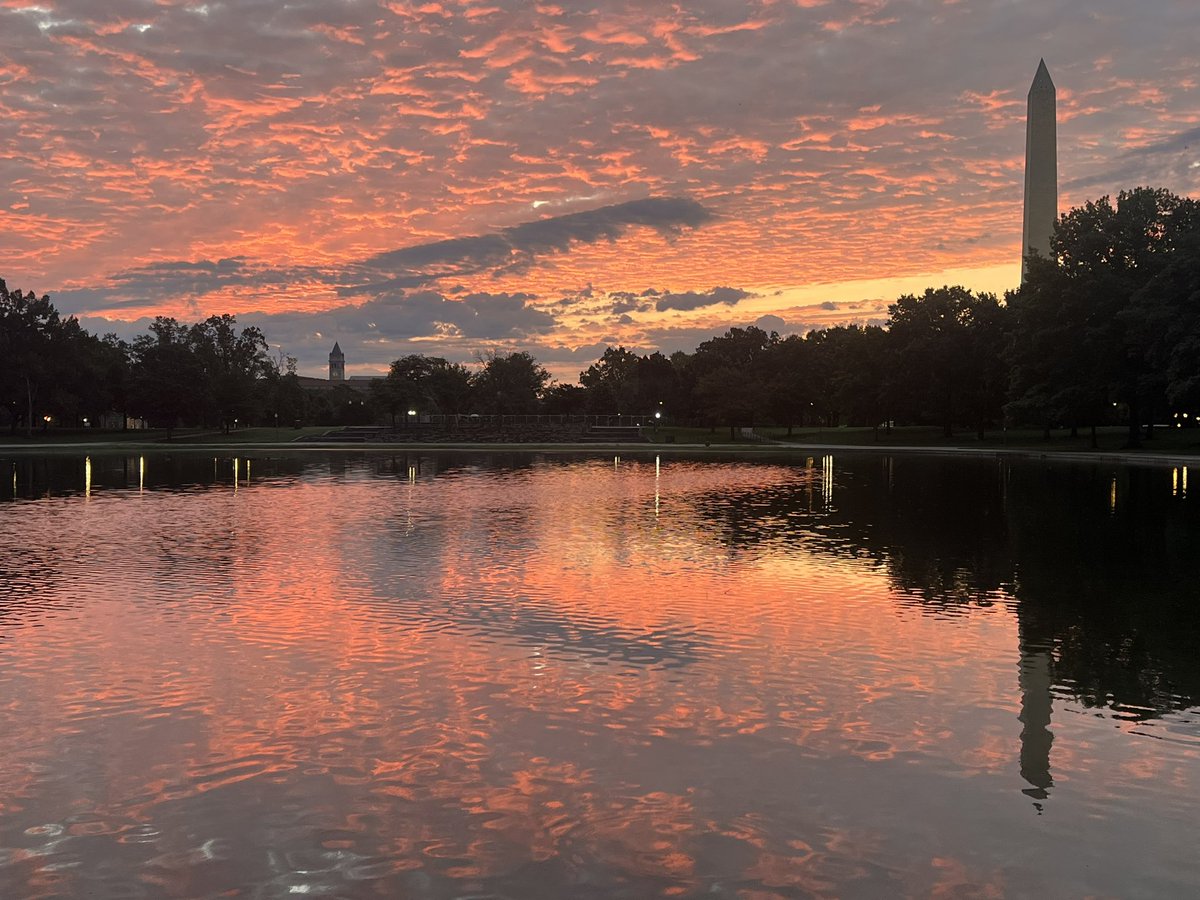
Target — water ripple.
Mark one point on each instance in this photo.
(471, 676)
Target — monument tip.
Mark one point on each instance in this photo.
(1041, 80)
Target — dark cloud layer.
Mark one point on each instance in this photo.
(517, 247)
(690, 300)
(392, 272)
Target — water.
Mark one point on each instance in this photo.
(521, 676)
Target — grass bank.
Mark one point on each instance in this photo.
(1169, 441)
(1166, 442)
(157, 436)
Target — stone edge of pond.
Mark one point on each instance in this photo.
(781, 448)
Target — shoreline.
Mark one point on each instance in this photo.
(1120, 457)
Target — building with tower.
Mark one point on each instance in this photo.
(1041, 167)
(337, 363)
(337, 380)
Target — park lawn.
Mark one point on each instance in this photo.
(1109, 439)
(82, 436)
(265, 435)
(1173, 441)
(671, 434)
(68, 436)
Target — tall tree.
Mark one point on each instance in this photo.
(730, 371)
(166, 378)
(856, 365)
(30, 332)
(83, 386)
(116, 358)
(235, 365)
(286, 399)
(405, 387)
(1056, 375)
(1164, 319)
(659, 388)
(948, 346)
(611, 382)
(428, 384)
(510, 383)
(448, 387)
(789, 391)
(1104, 254)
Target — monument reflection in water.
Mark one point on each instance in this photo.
(520, 676)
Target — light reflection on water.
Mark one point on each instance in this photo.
(413, 675)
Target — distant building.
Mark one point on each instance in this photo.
(1041, 167)
(337, 380)
(337, 363)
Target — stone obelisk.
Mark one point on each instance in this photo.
(1041, 167)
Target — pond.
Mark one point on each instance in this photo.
(475, 675)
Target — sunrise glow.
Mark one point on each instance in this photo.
(451, 177)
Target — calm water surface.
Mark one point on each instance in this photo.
(503, 676)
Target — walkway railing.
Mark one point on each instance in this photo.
(465, 420)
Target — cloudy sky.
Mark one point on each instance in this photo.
(451, 177)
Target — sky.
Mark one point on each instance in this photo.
(456, 178)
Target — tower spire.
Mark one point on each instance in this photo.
(337, 363)
(1041, 167)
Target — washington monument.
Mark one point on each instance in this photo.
(1041, 167)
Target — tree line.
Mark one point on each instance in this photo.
(54, 370)
(1106, 329)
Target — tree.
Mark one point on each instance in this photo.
(730, 395)
(856, 364)
(235, 364)
(948, 346)
(1164, 318)
(790, 391)
(115, 359)
(448, 387)
(405, 386)
(287, 400)
(510, 383)
(611, 382)
(30, 331)
(659, 388)
(685, 405)
(88, 371)
(730, 372)
(423, 383)
(564, 399)
(1104, 255)
(1056, 376)
(167, 377)
(623, 382)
